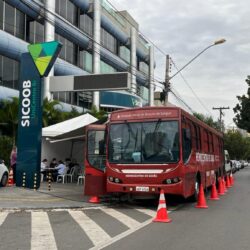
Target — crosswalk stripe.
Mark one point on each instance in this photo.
(3, 216)
(42, 236)
(123, 218)
(149, 212)
(95, 233)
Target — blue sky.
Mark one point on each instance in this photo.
(184, 28)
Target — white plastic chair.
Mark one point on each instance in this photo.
(81, 178)
(71, 174)
(41, 176)
(62, 176)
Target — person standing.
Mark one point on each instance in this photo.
(13, 157)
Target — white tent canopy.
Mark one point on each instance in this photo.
(69, 128)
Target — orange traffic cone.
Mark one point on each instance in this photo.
(11, 179)
(201, 199)
(221, 190)
(214, 193)
(94, 199)
(228, 184)
(162, 213)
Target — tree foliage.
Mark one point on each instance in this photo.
(9, 117)
(208, 120)
(242, 109)
(238, 146)
(101, 115)
(6, 144)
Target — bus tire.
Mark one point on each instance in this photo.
(194, 197)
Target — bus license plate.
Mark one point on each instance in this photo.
(142, 189)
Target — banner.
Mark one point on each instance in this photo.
(34, 65)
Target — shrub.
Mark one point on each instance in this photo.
(6, 144)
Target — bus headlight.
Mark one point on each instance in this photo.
(117, 180)
(176, 179)
(168, 181)
(172, 181)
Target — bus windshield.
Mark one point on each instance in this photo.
(144, 142)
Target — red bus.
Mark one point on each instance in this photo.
(144, 150)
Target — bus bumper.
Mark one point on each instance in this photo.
(176, 188)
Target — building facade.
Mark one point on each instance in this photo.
(96, 39)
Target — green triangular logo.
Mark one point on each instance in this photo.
(44, 55)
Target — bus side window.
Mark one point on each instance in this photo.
(186, 143)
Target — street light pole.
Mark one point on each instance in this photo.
(167, 78)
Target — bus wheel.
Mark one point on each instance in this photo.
(194, 197)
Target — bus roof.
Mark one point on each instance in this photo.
(156, 113)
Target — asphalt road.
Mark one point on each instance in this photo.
(225, 225)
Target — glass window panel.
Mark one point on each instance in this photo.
(9, 19)
(61, 96)
(31, 38)
(86, 24)
(39, 33)
(143, 67)
(36, 32)
(8, 68)
(68, 97)
(63, 8)
(57, 6)
(20, 18)
(145, 142)
(71, 13)
(1, 14)
(108, 41)
(96, 149)
(105, 68)
(125, 53)
(87, 61)
(81, 63)
(16, 75)
(69, 51)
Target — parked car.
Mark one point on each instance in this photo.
(236, 164)
(243, 163)
(228, 163)
(4, 174)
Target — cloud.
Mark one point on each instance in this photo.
(184, 28)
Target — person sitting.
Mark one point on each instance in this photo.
(53, 163)
(68, 164)
(61, 170)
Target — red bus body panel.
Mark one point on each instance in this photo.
(206, 161)
(95, 179)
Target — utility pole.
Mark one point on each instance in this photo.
(167, 83)
(221, 114)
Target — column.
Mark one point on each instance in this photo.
(49, 36)
(96, 49)
(133, 38)
(151, 75)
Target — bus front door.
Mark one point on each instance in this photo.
(95, 161)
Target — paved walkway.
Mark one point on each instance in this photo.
(68, 195)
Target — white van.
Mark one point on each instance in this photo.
(4, 174)
(228, 163)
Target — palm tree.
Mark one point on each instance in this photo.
(9, 115)
(51, 115)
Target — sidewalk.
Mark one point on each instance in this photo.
(69, 195)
